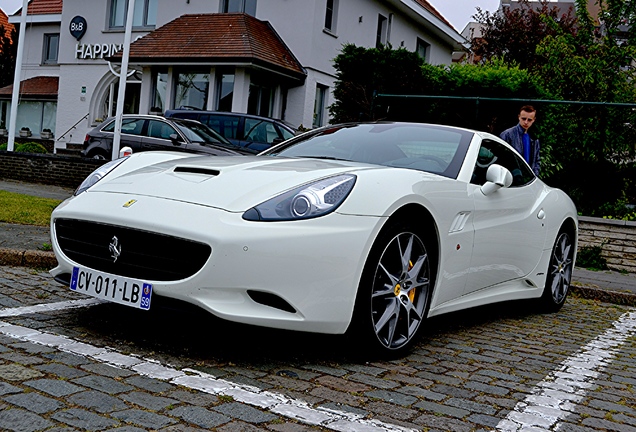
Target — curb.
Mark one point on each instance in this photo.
(27, 258)
(603, 295)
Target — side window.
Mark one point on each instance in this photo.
(129, 126)
(492, 152)
(226, 126)
(285, 134)
(159, 129)
(260, 131)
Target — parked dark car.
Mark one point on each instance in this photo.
(245, 130)
(147, 132)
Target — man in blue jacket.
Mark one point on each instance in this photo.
(519, 138)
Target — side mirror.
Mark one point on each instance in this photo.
(125, 151)
(496, 178)
(175, 139)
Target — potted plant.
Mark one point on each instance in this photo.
(46, 134)
(25, 132)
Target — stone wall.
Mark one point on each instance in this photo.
(51, 169)
(617, 239)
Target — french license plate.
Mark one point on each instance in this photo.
(129, 292)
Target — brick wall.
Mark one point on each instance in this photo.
(51, 169)
(617, 239)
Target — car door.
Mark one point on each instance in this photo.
(259, 134)
(131, 133)
(509, 223)
(158, 137)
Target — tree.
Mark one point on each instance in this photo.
(513, 33)
(362, 72)
(8, 54)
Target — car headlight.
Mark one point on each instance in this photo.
(98, 174)
(304, 202)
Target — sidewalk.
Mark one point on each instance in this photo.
(23, 244)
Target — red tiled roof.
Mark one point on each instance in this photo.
(4, 21)
(426, 5)
(43, 7)
(42, 86)
(214, 38)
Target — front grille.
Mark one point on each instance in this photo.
(144, 255)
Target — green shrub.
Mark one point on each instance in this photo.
(589, 257)
(28, 147)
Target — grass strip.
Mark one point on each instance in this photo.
(26, 209)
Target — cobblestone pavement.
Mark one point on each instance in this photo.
(503, 367)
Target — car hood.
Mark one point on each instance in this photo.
(234, 183)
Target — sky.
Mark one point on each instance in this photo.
(457, 12)
(10, 6)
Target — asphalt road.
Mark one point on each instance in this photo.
(504, 367)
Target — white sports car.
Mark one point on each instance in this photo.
(363, 228)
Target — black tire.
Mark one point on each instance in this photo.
(99, 154)
(394, 293)
(559, 274)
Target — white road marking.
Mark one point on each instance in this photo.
(555, 397)
(278, 403)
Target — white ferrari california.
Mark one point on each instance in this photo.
(365, 228)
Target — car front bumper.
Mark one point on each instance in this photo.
(313, 265)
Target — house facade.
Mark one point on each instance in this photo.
(267, 57)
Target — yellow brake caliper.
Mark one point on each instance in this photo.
(412, 292)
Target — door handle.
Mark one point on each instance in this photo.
(541, 214)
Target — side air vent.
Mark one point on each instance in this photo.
(271, 300)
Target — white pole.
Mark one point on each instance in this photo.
(123, 74)
(16, 77)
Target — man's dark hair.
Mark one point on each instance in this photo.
(527, 108)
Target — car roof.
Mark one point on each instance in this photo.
(228, 113)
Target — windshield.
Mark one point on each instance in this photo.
(199, 133)
(431, 148)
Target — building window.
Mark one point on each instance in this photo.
(225, 91)
(247, 6)
(331, 14)
(192, 90)
(320, 105)
(51, 47)
(260, 100)
(36, 115)
(381, 37)
(159, 91)
(422, 49)
(145, 14)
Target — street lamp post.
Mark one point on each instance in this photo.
(123, 74)
(15, 95)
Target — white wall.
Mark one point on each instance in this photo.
(33, 51)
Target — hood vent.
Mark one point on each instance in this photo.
(197, 170)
